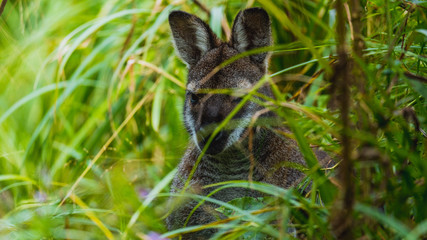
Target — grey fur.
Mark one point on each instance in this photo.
(192, 37)
(228, 156)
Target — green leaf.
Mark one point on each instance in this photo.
(244, 203)
(216, 19)
(157, 106)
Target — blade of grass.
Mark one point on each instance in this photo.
(151, 196)
(92, 216)
(110, 140)
(286, 22)
(395, 225)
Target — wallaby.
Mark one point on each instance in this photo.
(228, 157)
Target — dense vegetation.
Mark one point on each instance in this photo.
(91, 131)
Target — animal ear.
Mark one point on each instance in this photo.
(192, 37)
(251, 29)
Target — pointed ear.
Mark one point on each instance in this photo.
(192, 37)
(251, 29)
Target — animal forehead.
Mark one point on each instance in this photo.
(239, 83)
(241, 73)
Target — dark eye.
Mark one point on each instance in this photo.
(194, 98)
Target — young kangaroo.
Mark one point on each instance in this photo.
(229, 156)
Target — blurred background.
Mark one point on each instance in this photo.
(91, 96)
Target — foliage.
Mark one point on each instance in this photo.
(91, 127)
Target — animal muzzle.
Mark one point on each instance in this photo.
(216, 145)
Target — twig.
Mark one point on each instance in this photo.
(350, 20)
(415, 77)
(410, 10)
(397, 36)
(130, 34)
(314, 77)
(251, 153)
(203, 7)
(224, 24)
(358, 43)
(2, 6)
(342, 221)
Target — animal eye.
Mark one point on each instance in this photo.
(194, 98)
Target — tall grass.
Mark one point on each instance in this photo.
(91, 128)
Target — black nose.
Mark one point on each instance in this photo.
(214, 111)
(213, 114)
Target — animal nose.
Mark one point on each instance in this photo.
(213, 112)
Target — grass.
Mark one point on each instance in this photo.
(91, 128)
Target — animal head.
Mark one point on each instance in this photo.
(203, 51)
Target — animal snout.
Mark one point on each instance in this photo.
(215, 111)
